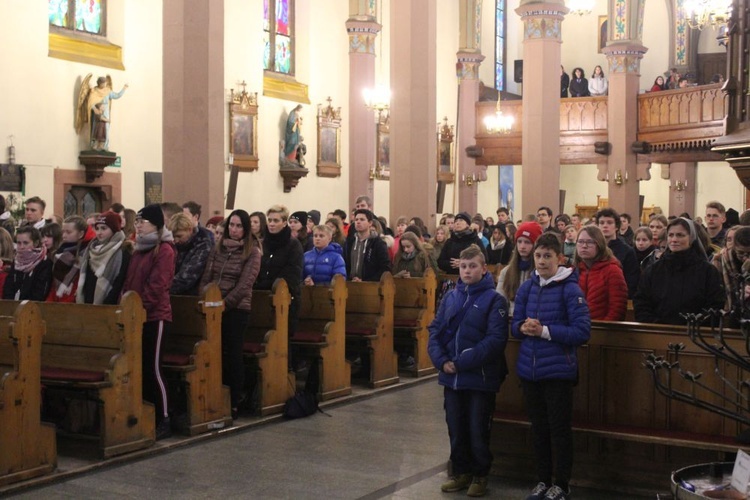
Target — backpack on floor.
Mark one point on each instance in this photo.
(305, 403)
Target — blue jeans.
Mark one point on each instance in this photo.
(469, 417)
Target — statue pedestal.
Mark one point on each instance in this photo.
(95, 161)
(291, 176)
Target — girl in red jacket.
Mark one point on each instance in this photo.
(600, 276)
(150, 274)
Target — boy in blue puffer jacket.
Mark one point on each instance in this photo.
(467, 344)
(552, 319)
(324, 260)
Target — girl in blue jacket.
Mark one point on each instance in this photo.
(324, 260)
(552, 319)
(467, 344)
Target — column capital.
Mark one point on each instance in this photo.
(542, 20)
(362, 35)
(467, 65)
(624, 57)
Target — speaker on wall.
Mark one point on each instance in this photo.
(518, 71)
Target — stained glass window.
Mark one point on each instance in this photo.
(278, 38)
(85, 16)
(500, 45)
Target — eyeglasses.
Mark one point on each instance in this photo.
(586, 243)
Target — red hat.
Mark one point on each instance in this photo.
(109, 219)
(215, 220)
(530, 230)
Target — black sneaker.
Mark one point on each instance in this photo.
(164, 429)
(539, 492)
(557, 493)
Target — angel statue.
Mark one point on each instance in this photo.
(94, 108)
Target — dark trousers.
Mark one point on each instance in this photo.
(154, 387)
(233, 325)
(469, 417)
(550, 407)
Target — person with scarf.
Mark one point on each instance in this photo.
(682, 281)
(499, 250)
(150, 274)
(105, 264)
(66, 263)
(30, 274)
(233, 265)
(412, 259)
(732, 262)
(521, 263)
(467, 347)
(643, 244)
(462, 237)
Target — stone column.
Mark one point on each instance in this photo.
(541, 103)
(413, 115)
(363, 30)
(467, 70)
(624, 52)
(193, 103)
(682, 188)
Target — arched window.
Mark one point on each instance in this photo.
(500, 45)
(278, 36)
(83, 16)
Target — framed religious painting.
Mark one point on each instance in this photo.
(329, 140)
(445, 169)
(602, 35)
(243, 130)
(383, 164)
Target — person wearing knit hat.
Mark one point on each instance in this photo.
(298, 225)
(530, 230)
(521, 264)
(153, 214)
(462, 237)
(313, 219)
(109, 219)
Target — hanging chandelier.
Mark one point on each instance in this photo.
(702, 13)
(580, 7)
(498, 123)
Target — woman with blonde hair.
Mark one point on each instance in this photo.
(411, 260)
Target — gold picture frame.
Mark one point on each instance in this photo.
(383, 147)
(445, 166)
(329, 140)
(243, 130)
(602, 34)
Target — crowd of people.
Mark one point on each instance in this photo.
(577, 85)
(558, 273)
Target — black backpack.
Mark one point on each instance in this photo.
(305, 403)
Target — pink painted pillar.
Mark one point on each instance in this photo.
(362, 126)
(413, 115)
(194, 103)
(467, 70)
(541, 104)
(682, 188)
(622, 124)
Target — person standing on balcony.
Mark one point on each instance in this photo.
(579, 86)
(598, 84)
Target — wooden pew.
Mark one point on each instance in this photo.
(413, 311)
(28, 445)
(625, 432)
(322, 320)
(192, 355)
(369, 318)
(98, 349)
(267, 347)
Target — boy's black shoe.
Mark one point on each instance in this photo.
(557, 493)
(539, 492)
(164, 429)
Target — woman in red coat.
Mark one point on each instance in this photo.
(600, 276)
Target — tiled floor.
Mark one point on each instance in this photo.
(393, 445)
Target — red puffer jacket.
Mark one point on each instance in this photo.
(605, 289)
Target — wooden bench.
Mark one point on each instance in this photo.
(369, 318)
(625, 432)
(266, 347)
(28, 445)
(192, 356)
(322, 320)
(413, 311)
(97, 350)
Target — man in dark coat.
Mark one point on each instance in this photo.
(608, 221)
(366, 254)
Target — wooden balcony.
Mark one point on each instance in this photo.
(675, 125)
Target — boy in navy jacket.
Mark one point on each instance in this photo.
(552, 319)
(467, 344)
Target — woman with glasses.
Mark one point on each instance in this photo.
(600, 276)
(682, 281)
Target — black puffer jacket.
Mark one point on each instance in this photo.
(282, 258)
